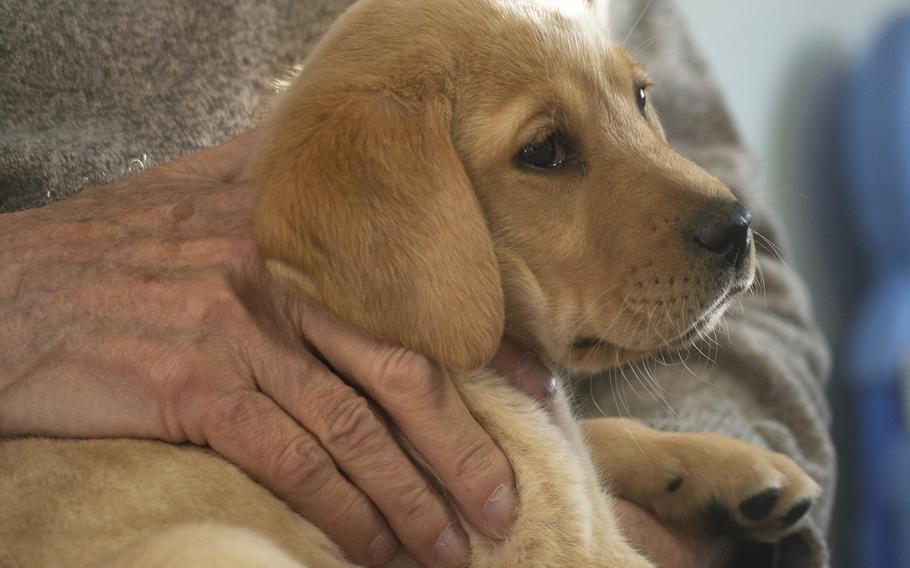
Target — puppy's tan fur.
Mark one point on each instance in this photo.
(392, 197)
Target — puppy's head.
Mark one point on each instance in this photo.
(444, 167)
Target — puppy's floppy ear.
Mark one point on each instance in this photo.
(367, 209)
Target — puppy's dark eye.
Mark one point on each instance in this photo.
(546, 154)
(641, 98)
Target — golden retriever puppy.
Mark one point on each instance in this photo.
(440, 173)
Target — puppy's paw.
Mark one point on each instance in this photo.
(725, 486)
(717, 483)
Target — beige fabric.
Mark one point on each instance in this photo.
(93, 91)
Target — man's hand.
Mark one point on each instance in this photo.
(141, 309)
(669, 546)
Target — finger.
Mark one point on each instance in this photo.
(248, 429)
(427, 408)
(364, 448)
(525, 370)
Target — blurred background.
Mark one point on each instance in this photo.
(821, 92)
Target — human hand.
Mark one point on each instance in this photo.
(141, 309)
(669, 546)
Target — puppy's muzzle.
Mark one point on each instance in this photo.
(722, 231)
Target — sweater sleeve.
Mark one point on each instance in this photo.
(762, 377)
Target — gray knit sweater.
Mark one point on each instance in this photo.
(93, 91)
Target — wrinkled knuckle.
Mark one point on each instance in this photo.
(180, 366)
(417, 503)
(353, 426)
(236, 410)
(409, 374)
(303, 467)
(176, 373)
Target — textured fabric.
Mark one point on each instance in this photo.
(93, 91)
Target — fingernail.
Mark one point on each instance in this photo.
(383, 548)
(500, 510)
(451, 548)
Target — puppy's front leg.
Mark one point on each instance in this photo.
(717, 483)
(565, 519)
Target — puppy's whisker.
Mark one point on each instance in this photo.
(652, 386)
(698, 377)
(649, 389)
(618, 400)
(613, 387)
(594, 396)
(661, 358)
(636, 51)
(638, 21)
(704, 357)
(596, 308)
(632, 386)
(701, 379)
(726, 328)
(567, 340)
(656, 328)
(645, 369)
(684, 354)
(660, 390)
(712, 335)
(702, 338)
(625, 382)
(761, 288)
(769, 245)
(678, 326)
(649, 324)
(713, 348)
(619, 313)
(632, 332)
(628, 431)
(654, 389)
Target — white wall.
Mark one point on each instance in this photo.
(780, 63)
(753, 47)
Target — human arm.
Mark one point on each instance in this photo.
(141, 309)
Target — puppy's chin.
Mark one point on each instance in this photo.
(589, 356)
(604, 356)
(607, 341)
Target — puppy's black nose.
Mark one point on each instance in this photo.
(724, 231)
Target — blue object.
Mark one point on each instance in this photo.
(878, 152)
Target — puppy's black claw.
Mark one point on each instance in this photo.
(796, 513)
(759, 506)
(719, 521)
